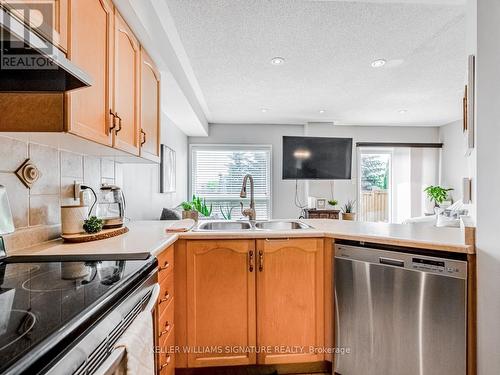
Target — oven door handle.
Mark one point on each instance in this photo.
(116, 357)
(153, 298)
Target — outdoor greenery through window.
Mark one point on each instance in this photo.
(217, 173)
(375, 185)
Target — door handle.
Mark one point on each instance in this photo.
(250, 260)
(261, 261)
(119, 123)
(113, 122)
(144, 139)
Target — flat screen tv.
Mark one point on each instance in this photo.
(317, 158)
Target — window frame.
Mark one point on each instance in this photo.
(235, 147)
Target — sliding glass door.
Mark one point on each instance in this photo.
(375, 171)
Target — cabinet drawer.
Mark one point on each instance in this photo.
(166, 293)
(166, 323)
(165, 263)
(166, 361)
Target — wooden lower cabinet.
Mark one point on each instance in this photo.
(220, 302)
(245, 302)
(290, 300)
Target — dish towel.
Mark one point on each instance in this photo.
(184, 225)
(138, 344)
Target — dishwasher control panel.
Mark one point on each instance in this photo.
(405, 260)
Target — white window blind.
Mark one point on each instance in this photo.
(217, 173)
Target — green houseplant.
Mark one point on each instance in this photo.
(92, 225)
(333, 202)
(347, 211)
(188, 212)
(437, 194)
(201, 206)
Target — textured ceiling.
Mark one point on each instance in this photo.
(328, 46)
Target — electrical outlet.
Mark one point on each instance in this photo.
(77, 188)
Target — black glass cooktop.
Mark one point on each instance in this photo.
(38, 300)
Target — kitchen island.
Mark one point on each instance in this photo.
(258, 297)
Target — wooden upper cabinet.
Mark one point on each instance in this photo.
(126, 88)
(150, 108)
(91, 48)
(290, 300)
(49, 18)
(220, 301)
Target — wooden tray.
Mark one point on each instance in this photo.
(102, 235)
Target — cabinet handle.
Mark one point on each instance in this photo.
(250, 260)
(166, 330)
(165, 266)
(277, 239)
(113, 122)
(261, 260)
(166, 363)
(119, 123)
(165, 298)
(144, 139)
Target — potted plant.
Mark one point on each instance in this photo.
(188, 212)
(200, 205)
(333, 202)
(437, 194)
(347, 211)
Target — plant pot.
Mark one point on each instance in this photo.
(351, 216)
(190, 215)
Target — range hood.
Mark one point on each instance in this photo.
(29, 62)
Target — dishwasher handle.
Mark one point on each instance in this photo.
(391, 262)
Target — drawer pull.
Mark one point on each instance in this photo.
(165, 266)
(166, 330)
(165, 298)
(167, 362)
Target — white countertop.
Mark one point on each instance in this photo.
(151, 237)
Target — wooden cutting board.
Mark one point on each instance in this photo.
(86, 237)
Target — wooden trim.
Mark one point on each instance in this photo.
(398, 144)
(328, 246)
(471, 315)
(321, 367)
(180, 310)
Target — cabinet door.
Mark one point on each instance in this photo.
(126, 88)
(47, 17)
(290, 300)
(220, 302)
(91, 48)
(150, 108)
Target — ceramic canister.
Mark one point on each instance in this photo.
(72, 218)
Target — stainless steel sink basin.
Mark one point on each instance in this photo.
(224, 226)
(281, 225)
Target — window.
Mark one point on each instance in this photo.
(217, 173)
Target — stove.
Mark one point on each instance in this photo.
(47, 306)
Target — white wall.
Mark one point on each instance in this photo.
(282, 191)
(455, 165)
(488, 182)
(141, 181)
(344, 190)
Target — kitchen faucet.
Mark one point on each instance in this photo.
(250, 212)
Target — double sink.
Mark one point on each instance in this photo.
(231, 226)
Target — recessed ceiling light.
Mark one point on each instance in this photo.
(378, 63)
(402, 111)
(277, 61)
(264, 110)
(321, 111)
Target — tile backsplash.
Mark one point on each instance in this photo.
(36, 211)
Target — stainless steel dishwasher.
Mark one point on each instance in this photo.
(399, 313)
